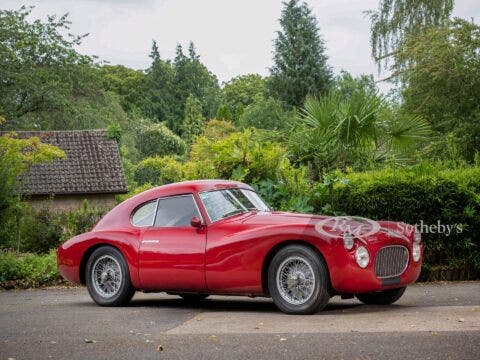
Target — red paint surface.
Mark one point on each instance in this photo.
(224, 257)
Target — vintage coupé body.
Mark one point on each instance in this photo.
(206, 237)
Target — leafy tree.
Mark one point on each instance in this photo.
(396, 19)
(442, 78)
(124, 82)
(158, 139)
(46, 83)
(224, 113)
(265, 114)
(16, 156)
(242, 91)
(300, 64)
(193, 78)
(346, 84)
(194, 122)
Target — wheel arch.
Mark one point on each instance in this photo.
(86, 255)
(275, 249)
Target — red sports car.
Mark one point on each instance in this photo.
(198, 238)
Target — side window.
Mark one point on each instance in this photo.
(143, 215)
(176, 211)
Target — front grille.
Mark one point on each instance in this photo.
(391, 261)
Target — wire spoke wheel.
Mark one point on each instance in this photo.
(106, 276)
(295, 280)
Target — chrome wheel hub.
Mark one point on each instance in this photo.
(295, 280)
(106, 276)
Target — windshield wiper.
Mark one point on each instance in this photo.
(238, 211)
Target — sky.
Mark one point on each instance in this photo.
(232, 37)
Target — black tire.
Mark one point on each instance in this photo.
(320, 295)
(125, 290)
(386, 297)
(194, 298)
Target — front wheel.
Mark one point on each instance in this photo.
(108, 278)
(298, 280)
(385, 297)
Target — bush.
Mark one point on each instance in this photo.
(28, 270)
(265, 114)
(159, 140)
(40, 231)
(422, 195)
(158, 171)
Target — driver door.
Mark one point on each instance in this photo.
(172, 252)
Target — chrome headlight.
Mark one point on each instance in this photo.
(362, 257)
(416, 252)
(417, 236)
(348, 241)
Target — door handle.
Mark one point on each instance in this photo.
(150, 241)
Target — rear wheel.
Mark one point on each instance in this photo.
(108, 278)
(298, 280)
(386, 297)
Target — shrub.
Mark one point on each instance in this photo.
(158, 171)
(40, 230)
(81, 220)
(422, 195)
(158, 139)
(265, 114)
(28, 270)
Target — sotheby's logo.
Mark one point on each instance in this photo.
(359, 227)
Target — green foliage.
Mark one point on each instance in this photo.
(46, 83)
(396, 19)
(80, 220)
(424, 193)
(342, 131)
(194, 122)
(16, 155)
(240, 156)
(224, 113)
(158, 171)
(28, 270)
(40, 231)
(265, 114)
(124, 82)
(443, 77)
(157, 139)
(242, 91)
(114, 132)
(217, 129)
(300, 64)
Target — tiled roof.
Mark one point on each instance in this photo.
(93, 165)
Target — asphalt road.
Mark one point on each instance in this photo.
(431, 321)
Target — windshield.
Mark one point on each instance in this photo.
(223, 203)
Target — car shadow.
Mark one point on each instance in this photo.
(263, 305)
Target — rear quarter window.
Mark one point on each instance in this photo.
(144, 214)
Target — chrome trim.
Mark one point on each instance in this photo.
(406, 251)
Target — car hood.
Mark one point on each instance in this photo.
(383, 229)
(282, 218)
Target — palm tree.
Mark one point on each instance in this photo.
(339, 129)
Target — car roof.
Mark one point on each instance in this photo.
(185, 187)
(119, 216)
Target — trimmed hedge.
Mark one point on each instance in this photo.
(422, 195)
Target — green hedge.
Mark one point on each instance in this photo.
(412, 195)
(28, 270)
